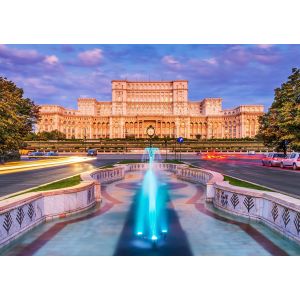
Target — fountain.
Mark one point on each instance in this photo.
(151, 220)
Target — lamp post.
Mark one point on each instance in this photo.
(84, 139)
(180, 141)
(126, 133)
(166, 145)
(174, 136)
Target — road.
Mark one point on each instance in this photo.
(15, 182)
(286, 180)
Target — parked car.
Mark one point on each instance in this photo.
(292, 160)
(51, 153)
(35, 154)
(273, 159)
(92, 152)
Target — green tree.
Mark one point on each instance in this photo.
(50, 135)
(17, 116)
(282, 121)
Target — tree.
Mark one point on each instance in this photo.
(281, 124)
(45, 136)
(51, 135)
(17, 116)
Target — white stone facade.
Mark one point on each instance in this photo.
(163, 104)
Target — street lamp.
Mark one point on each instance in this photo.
(125, 150)
(166, 145)
(180, 141)
(84, 140)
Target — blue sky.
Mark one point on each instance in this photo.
(59, 74)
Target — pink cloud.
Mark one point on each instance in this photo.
(91, 57)
(238, 54)
(171, 61)
(265, 46)
(20, 56)
(39, 85)
(213, 61)
(51, 60)
(266, 59)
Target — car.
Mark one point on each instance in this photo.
(51, 153)
(35, 154)
(273, 159)
(92, 152)
(292, 160)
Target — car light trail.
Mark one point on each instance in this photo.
(41, 164)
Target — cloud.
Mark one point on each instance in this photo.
(266, 59)
(238, 73)
(67, 48)
(171, 61)
(211, 61)
(20, 56)
(51, 60)
(35, 85)
(237, 55)
(265, 46)
(91, 57)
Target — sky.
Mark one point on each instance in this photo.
(60, 74)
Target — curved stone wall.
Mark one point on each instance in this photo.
(276, 210)
(23, 212)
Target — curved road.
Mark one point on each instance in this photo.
(283, 180)
(286, 180)
(15, 182)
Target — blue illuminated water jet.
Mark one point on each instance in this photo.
(151, 220)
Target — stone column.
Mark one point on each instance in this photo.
(110, 127)
(188, 127)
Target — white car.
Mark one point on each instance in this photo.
(273, 159)
(292, 160)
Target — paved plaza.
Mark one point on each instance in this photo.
(195, 228)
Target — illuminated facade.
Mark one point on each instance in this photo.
(162, 104)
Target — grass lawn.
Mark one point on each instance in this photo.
(241, 183)
(129, 161)
(64, 183)
(68, 182)
(106, 167)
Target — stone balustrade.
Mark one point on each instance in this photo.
(21, 213)
(105, 175)
(278, 211)
(207, 178)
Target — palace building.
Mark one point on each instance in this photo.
(162, 104)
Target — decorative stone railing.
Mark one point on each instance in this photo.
(276, 210)
(144, 166)
(21, 213)
(105, 175)
(207, 178)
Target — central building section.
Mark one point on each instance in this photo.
(165, 105)
(137, 105)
